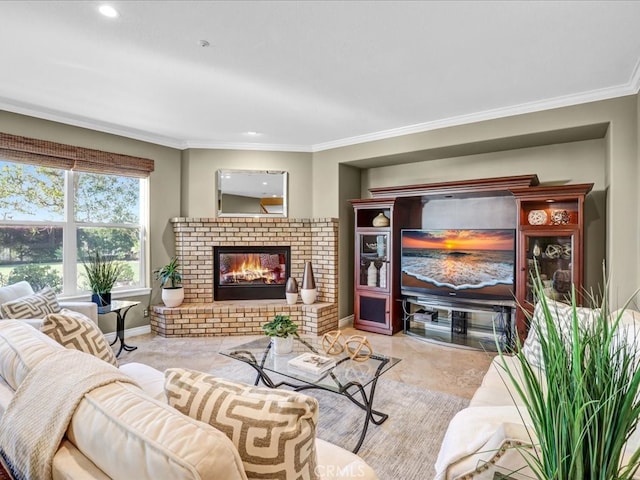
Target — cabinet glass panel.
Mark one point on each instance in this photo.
(373, 261)
(554, 256)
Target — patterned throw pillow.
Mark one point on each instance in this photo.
(76, 331)
(32, 306)
(273, 430)
(563, 317)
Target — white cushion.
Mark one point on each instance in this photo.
(147, 378)
(69, 463)
(336, 463)
(36, 305)
(14, 291)
(126, 434)
(562, 315)
(21, 348)
(273, 430)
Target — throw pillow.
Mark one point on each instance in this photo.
(273, 430)
(563, 316)
(76, 331)
(37, 305)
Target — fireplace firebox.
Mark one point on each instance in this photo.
(248, 273)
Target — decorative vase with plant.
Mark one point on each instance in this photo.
(102, 274)
(584, 400)
(281, 329)
(170, 280)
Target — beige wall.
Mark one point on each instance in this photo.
(199, 178)
(485, 146)
(164, 187)
(575, 162)
(320, 184)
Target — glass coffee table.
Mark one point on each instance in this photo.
(356, 380)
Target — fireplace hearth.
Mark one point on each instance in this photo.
(250, 272)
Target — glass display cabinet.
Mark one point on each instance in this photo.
(551, 238)
(377, 306)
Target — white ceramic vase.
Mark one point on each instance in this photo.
(282, 345)
(308, 295)
(292, 298)
(172, 297)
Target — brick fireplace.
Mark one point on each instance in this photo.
(201, 314)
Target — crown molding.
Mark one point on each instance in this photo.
(635, 78)
(531, 107)
(265, 147)
(83, 122)
(631, 88)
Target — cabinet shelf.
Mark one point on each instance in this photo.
(459, 324)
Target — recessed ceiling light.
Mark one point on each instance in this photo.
(252, 133)
(108, 11)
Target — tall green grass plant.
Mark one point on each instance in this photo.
(584, 404)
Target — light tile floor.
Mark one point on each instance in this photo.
(431, 366)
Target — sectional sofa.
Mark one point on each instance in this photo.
(125, 427)
(486, 439)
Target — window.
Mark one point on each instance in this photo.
(54, 214)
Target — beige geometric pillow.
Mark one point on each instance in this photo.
(274, 430)
(76, 331)
(32, 306)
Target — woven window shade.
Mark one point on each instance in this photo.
(57, 155)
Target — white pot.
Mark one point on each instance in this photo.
(282, 345)
(308, 295)
(172, 297)
(292, 298)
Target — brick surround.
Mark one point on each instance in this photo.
(200, 315)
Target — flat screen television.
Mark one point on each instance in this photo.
(475, 264)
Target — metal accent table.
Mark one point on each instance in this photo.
(348, 378)
(120, 308)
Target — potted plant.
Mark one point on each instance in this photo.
(584, 404)
(102, 274)
(281, 330)
(170, 280)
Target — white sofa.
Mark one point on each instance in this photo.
(19, 290)
(487, 437)
(124, 431)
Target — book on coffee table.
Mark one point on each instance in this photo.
(312, 363)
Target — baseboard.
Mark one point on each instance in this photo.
(346, 321)
(129, 332)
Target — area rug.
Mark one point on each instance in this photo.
(404, 447)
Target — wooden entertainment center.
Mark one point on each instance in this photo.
(549, 230)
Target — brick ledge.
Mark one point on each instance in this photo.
(239, 317)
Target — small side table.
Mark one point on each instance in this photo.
(120, 308)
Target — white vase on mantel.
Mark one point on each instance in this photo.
(308, 292)
(282, 345)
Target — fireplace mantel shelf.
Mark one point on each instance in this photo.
(242, 305)
(239, 317)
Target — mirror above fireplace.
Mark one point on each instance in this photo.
(251, 193)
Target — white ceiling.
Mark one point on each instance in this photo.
(308, 75)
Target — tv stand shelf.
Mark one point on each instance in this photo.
(472, 324)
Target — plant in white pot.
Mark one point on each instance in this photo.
(170, 280)
(281, 330)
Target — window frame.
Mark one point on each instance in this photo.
(71, 160)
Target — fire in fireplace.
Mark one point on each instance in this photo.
(246, 273)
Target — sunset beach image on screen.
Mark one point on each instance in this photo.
(468, 263)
